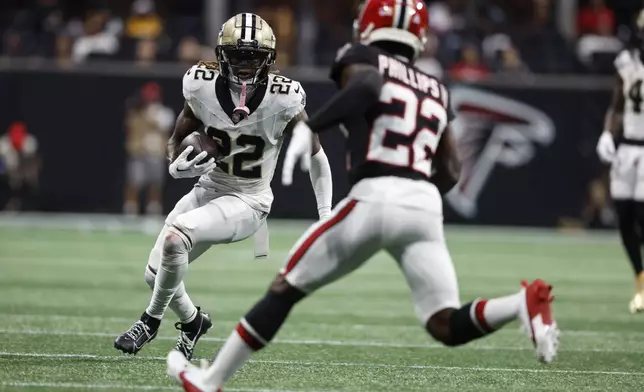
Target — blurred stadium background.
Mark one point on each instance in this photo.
(89, 91)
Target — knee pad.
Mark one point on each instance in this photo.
(176, 242)
(150, 276)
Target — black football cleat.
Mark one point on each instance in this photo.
(190, 333)
(140, 333)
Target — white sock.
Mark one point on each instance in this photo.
(232, 356)
(499, 311)
(169, 277)
(181, 304)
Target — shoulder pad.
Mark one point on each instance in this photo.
(353, 54)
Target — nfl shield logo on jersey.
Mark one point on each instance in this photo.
(492, 130)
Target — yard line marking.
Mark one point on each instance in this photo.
(84, 386)
(67, 261)
(121, 386)
(337, 343)
(335, 364)
(411, 327)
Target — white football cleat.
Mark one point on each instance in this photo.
(637, 304)
(188, 375)
(536, 316)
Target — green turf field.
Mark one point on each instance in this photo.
(65, 295)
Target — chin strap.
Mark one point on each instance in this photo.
(241, 112)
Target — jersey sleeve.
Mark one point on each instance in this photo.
(295, 101)
(286, 103)
(194, 81)
(623, 62)
(447, 103)
(352, 54)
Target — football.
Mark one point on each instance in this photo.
(200, 142)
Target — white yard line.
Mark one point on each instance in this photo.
(334, 364)
(411, 328)
(337, 343)
(118, 386)
(83, 386)
(122, 225)
(278, 255)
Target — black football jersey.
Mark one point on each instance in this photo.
(398, 135)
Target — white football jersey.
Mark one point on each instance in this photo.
(630, 68)
(251, 147)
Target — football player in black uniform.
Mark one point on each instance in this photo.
(402, 158)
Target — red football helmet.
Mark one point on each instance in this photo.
(404, 21)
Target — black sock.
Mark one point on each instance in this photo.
(195, 324)
(150, 321)
(462, 328)
(268, 315)
(628, 215)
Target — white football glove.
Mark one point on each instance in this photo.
(299, 149)
(183, 168)
(606, 147)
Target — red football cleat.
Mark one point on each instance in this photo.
(536, 315)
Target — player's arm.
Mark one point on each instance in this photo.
(319, 171)
(612, 123)
(360, 88)
(615, 112)
(446, 163)
(186, 123)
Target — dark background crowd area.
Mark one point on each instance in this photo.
(469, 40)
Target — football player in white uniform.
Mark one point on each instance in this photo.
(247, 110)
(626, 113)
(402, 157)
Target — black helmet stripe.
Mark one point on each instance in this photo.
(243, 32)
(253, 27)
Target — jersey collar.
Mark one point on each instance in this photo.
(226, 101)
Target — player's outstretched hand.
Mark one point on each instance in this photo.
(184, 168)
(606, 147)
(299, 149)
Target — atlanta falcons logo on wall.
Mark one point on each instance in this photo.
(492, 130)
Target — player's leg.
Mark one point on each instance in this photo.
(623, 181)
(156, 170)
(223, 220)
(428, 268)
(135, 177)
(638, 196)
(329, 250)
(144, 330)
